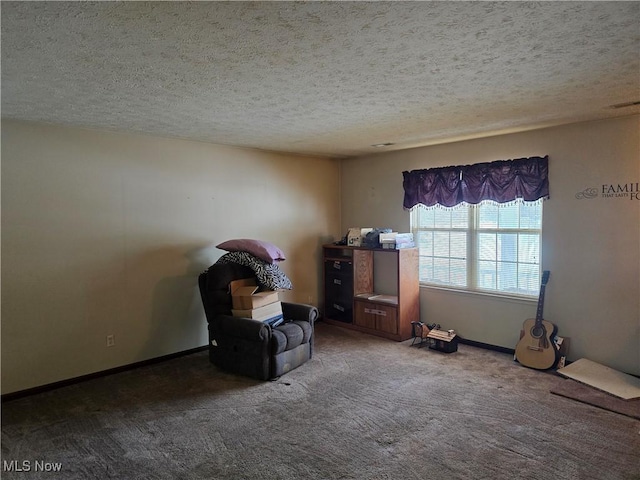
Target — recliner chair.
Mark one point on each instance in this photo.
(250, 347)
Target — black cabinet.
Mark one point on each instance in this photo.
(338, 287)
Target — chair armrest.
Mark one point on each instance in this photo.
(240, 327)
(299, 311)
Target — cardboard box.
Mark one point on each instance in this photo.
(355, 236)
(245, 295)
(354, 239)
(266, 312)
(562, 345)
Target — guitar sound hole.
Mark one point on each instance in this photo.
(537, 332)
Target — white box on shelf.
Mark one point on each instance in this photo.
(388, 237)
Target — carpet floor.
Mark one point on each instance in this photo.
(362, 408)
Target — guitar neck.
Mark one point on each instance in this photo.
(543, 286)
(540, 305)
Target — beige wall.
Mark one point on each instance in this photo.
(591, 246)
(105, 234)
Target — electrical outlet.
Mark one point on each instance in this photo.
(111, 340)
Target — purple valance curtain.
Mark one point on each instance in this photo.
(501, 181)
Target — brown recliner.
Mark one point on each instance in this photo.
(250, 347)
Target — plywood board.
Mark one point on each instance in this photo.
(569, 388)
(603, 378)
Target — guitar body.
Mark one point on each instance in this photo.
(536, 348)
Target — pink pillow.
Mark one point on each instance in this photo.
(263, 250)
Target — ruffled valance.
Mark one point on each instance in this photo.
(500, 181)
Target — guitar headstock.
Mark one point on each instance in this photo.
(545, 277)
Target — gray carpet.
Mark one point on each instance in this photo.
(363, 408)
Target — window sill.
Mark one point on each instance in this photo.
(488, 295)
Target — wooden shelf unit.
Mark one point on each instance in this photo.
(349, 297)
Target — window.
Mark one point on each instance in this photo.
(487, 247)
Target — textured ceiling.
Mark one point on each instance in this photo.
(324, 78)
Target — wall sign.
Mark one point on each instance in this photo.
(630, 191)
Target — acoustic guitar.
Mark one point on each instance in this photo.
(536, 349)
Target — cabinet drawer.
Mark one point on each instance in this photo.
(339, 276)
(340, 282)
(338, 267)
(342, 311)
(376, 316)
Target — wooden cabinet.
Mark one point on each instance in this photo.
(376, 316)
(351, 301)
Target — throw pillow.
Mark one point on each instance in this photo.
(263, 250)
(268, 274)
